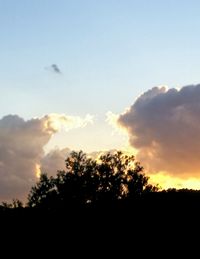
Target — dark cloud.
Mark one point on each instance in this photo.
(56, 69)
(164, 126)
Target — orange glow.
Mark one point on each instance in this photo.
(37, 171)
(166, 181)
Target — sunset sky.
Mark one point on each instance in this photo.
(99, 75)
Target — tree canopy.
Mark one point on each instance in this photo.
(87, 182)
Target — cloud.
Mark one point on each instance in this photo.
(22, 149)
(56, 69)
(54, 161)
(164, 126)
(112, 120)
(56, 122)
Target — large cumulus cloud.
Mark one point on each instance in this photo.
(164, 126)
(22, 149)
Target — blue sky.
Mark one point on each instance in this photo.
(109, 52)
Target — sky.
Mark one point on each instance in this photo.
(83, 63)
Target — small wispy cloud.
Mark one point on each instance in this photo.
(54, 68)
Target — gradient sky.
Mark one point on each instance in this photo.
(109, 52)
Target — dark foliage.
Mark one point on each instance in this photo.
(86, 182)
(112, 187)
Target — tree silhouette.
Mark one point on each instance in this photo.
(87, 181)
(42, 194)
(79, 182)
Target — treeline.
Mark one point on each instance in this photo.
(113, 181)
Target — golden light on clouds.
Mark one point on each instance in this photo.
(37, 171)
(152, 144)
(163, 125)
(55, 122)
